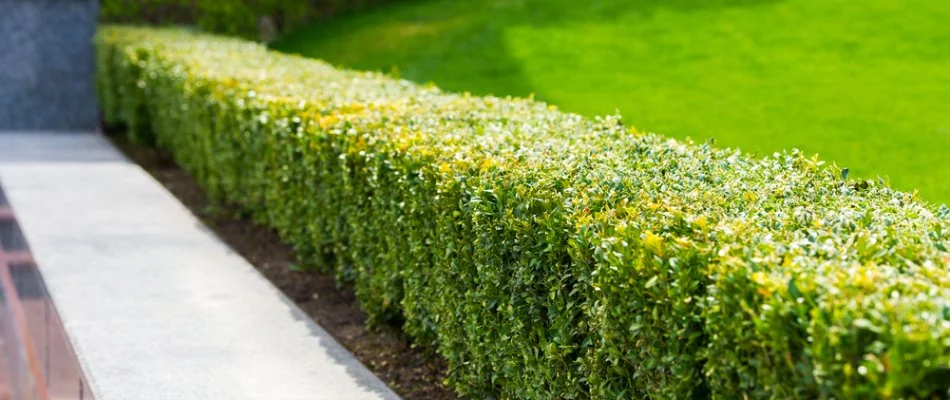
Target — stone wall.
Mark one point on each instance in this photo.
(47, 65)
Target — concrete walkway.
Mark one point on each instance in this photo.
(156, 306)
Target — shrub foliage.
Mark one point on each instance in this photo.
(545, 255)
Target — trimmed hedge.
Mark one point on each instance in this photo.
(545, 255)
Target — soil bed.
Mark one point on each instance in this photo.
(411, 372)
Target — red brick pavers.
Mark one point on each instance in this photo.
(36, 359)
(55, 356)
(21, 357)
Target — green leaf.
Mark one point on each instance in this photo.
(652, 282)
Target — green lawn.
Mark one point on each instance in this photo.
(865, 83)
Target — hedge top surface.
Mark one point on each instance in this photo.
(777, 270)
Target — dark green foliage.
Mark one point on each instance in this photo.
(545, 255)
(236, 17)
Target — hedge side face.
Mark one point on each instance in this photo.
(545, 255)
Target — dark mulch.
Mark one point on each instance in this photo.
(411, 372)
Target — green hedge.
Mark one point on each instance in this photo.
(545, 255)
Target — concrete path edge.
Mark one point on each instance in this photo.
(157, 307)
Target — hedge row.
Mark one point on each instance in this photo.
(545, 255)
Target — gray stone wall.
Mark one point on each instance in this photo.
(47, 64)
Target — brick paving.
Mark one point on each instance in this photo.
(49, 354)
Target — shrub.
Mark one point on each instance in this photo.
(545, 255)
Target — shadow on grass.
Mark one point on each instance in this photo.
(460, 45)
(451, 44)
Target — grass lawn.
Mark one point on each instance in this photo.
(864, 83)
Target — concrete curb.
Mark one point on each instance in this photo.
(156, 306)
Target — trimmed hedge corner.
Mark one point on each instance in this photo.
(545, 255)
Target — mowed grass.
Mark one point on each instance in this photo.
(865, 84)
